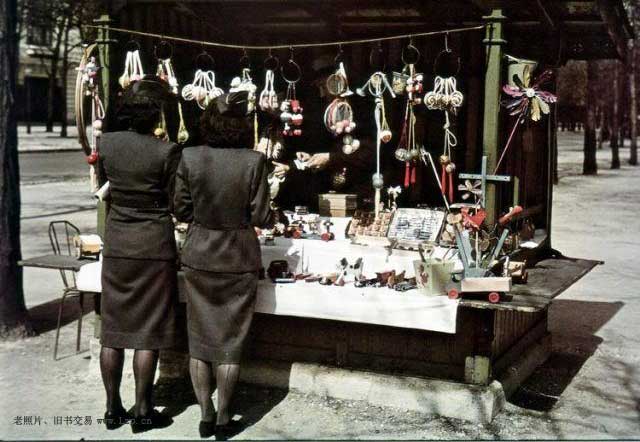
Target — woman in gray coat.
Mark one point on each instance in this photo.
(222, 191)
(139, 295)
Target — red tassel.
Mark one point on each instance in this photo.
(413, 173)
(443, 180)
(450, 187)
(406, 175)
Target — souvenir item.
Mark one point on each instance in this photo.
(526, 100)
(203, 89)
(328, 234)
(432, 275)
(338, 117)
(339, 179)
(376, 86)
(291, 111)
(87, 89)
(245, 83)
(393, 193)
(407, 149)
(132, 67)
(412, 226)
(268, 99)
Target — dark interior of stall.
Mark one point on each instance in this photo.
(269, 23)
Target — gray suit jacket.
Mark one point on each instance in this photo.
(141, 172)
(223, 193)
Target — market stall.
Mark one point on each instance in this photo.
(443, 267)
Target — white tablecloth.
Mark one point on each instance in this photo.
(381, 306)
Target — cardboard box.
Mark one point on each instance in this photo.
(337, 204)
(433, 275)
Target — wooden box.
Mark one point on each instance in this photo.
(337, 204)
(433, 275)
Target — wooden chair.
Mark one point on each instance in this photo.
(61, 235)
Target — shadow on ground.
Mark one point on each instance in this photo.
(572, 348)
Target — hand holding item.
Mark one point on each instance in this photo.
(318, 161)
(303, 156)
(280, 170)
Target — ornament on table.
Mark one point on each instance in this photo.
(163, 52)
(133, 70)
(203, 88)
(291, 110)
(407, 150)
(526, 100)
(268, 99)
(376, 86)
(393, 193)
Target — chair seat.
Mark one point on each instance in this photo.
(88, 278)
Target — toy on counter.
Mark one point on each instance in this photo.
(278, 272)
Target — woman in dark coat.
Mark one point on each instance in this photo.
(222, 191)
(139, 294)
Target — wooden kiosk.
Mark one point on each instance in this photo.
(490, 339)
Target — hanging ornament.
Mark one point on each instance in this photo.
(203, 88)
(166, 73)
(291, 110)
(132, 66)
(407, 150)
(245, 83)
(268, 100)
(376, 86)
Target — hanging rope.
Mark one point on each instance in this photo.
(288, 45)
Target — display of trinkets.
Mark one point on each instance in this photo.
(416, 225)
(290, 108)
(367, 224)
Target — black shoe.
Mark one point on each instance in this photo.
(228, 430)
(116, 419)
(150, 421)
(207, 429)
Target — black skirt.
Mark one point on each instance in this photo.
(138, 304)
(219, 313)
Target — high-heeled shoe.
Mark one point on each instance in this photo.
(228, 430)
(207, 429)
(116, 419)
(150, 421)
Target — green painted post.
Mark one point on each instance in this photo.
(492, 84)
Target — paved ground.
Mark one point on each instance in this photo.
(589, 388)
(41, 141)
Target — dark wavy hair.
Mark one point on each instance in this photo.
(224, 131)
(141, 104)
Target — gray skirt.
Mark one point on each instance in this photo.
(138, 303)
(219, 313)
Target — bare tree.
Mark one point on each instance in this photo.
(590, 164)
(616, 138)
(14, 319)
(633, 104)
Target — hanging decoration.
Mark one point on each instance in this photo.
(166, 73)
(410, 83)
(338, 117)
(291, 111)
(376, 86)
(526, 100)
(447, 98)
(87, 87)
(133, 70)
(203, 88)
(268, 100)
(245, 83)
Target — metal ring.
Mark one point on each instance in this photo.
(204, 55)
(406, 51)
(271, 63)
(132, 45)
(163, 44)
(245, 61)
(438, 57)
(296, 69)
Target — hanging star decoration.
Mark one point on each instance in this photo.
(526, 98)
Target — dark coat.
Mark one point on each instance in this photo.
(141, 173)
(223, 193)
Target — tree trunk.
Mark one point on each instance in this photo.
(64, 73)
(615, 118)
(590, 164)
(14, 320)
(53, 77)
(633, 106)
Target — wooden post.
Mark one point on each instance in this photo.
(492, 84)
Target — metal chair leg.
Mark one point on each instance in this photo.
(81, 303)
(55, 346)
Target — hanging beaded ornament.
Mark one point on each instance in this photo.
(133, 70)
(338, 116)
(291, 111)
(165, 72)
(268, 100)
